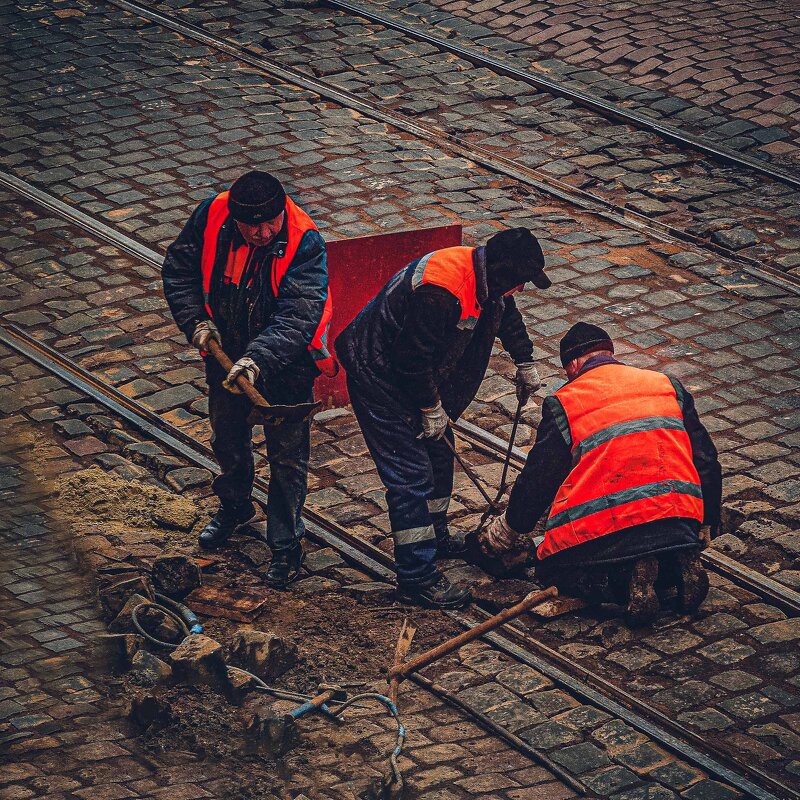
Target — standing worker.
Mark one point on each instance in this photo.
(249, 270)
(415, 357)
(631, 474)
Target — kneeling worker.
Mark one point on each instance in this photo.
(249, 270)
(631, 474)
(415, 357)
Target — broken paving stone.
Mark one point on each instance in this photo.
(198, 660)
(148, 670)
(124, 646)
(728, 543)
(158, 625)
(370, 592)
(316, 583)
(238, 686)
(123, 622)
(255, 551)
(145, 709)
(263, 653)
(175, 574)
(734, 239)
(114, 597)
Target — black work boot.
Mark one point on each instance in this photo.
(223, 524)
(643, 605)
(451, 546)
(441, 594)
(691, 581)
(285, 566)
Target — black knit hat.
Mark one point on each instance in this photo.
(518, 250)
(583, 338)
(256, 197)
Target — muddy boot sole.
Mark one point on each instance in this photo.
(643, 604)
(692, 582)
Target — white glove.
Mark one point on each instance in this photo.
(204, 331)
(434, 422)
(244, 366)
(497, 537)
(527, 380)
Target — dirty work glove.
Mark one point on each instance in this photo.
(434, 422)
(204, 331)
(244, 366)
(707, 533)
(497, 537)
(527, 380)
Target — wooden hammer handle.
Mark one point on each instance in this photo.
(253, 395)
(422, 660)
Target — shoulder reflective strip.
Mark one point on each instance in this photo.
(414, 535)
(467, 324)
(676, 385)
(438, 505)
(620, 498)
(561, 418)
(624, 428)
(416, 278)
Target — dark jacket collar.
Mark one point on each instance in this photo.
(597, 360)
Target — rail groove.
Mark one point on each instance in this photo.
(536, 179)
(327, 532)
(668, 132)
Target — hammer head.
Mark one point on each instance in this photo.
(278, 414)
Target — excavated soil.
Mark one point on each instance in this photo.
(90, 497)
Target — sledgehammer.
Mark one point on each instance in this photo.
(507, 614)
(262, 413)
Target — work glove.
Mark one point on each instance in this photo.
(497, 537)
(527, 380)
(204, 331)
(434, 422)
(244, 366)
(707, 533)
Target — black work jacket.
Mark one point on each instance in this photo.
(406, 351)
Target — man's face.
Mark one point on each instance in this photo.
(261, 234)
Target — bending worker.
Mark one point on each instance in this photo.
(631, 474)
(249, 270)
(415, 357)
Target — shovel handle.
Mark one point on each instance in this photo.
(253, 395)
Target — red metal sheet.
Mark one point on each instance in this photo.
(358, 268)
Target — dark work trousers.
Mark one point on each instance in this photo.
(287, 453)
(418, 476)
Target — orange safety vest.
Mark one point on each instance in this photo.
(452, 269)
(631, 455)
(297, 223)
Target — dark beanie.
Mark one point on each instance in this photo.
(583, 338)
(256, 197)
(519, 251)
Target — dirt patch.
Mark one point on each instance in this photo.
(91, 496)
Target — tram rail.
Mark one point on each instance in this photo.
(514, 641)
(534, 178)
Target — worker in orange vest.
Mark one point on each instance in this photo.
(249, 270)
(630, 475)
(415, 357)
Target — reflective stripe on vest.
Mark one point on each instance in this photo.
(632, 458)
(452, 269)
(297, 224)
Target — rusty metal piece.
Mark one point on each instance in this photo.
(215, 600)
(262, 412)
(499, 619)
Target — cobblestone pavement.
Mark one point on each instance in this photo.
(627, 168)
(447, 757)
(136, 158)
(725, 70)
(63, 732)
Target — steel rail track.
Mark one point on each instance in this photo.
(327, 532)
(529, 176)
(775, 593)
(608, 109)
